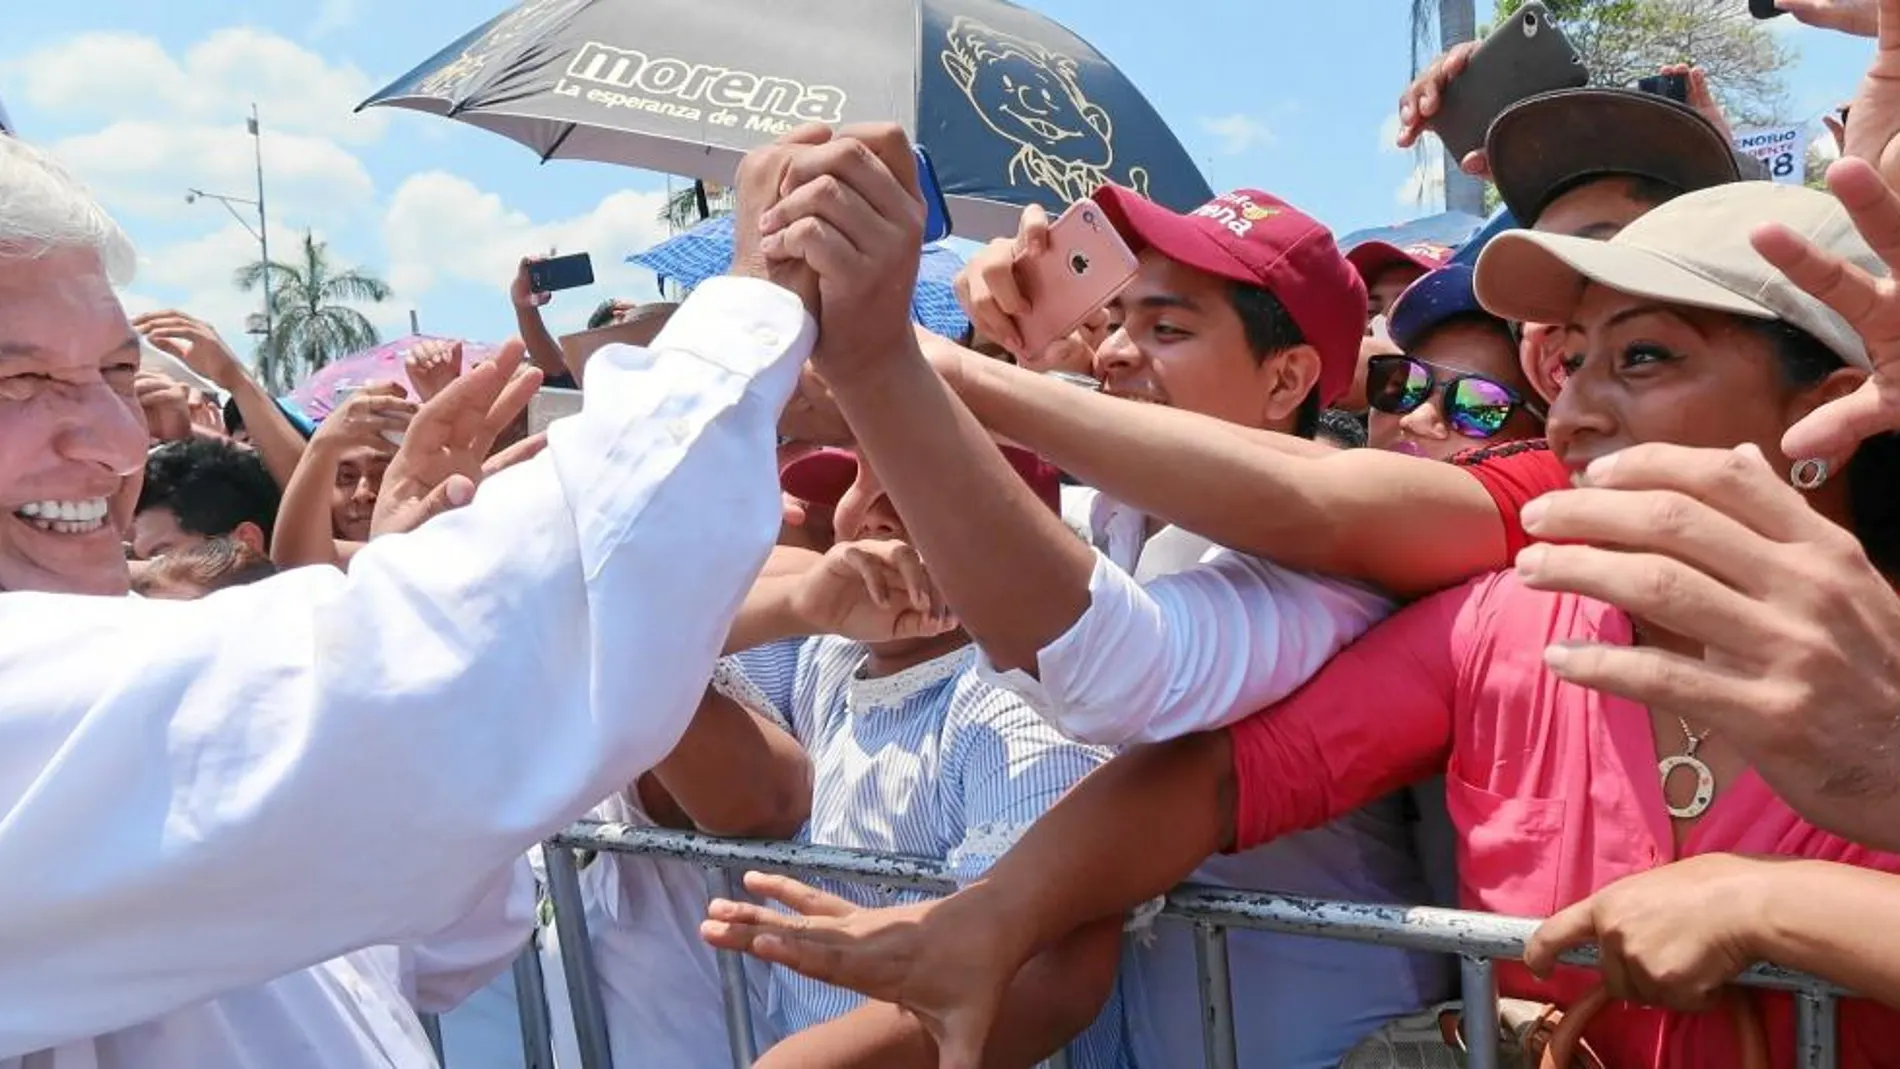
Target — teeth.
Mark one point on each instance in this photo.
(66, 517)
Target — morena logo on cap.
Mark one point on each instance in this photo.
(1235, 211)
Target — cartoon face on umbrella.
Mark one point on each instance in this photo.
(1032, 96)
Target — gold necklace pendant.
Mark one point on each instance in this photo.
(1704, 777)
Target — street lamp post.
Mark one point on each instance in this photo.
(262, 230)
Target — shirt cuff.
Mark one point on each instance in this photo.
(740, 324)
(1061, 666)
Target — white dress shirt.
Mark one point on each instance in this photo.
(196, 797)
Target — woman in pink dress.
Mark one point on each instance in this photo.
(1679, 332)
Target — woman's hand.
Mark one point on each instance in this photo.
(871, 591)
(376, 417)
(1670, 937)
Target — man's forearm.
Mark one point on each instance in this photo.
(737, 774)
(279, 444)
(1013, 572)
(1272, 496)
(305, 534)
(543, 351)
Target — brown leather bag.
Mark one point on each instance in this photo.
(1532, 1036)
(1563, 1046)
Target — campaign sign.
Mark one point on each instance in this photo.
(1782, 150)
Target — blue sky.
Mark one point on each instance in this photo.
(145, 100)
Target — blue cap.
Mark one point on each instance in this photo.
(1441, 295)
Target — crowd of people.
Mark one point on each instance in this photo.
(1550, 576)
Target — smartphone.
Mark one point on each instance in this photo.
(1086, 264)
(936, 209)
(550, 403)
(1525, 56)
(1668, 86)
(1764, 9)
(561, 273)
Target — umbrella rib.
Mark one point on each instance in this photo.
(558, 142)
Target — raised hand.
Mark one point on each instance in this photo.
(375, 417)
(446, 451)
(432, 365)
(1702, 97)
(871, 591)
(521, 292)
(1858, 17)
(761, 183)
(851, 210)
(1670, 937)
(1420, 102)
(193, 341)
(166, 403)
(1800, 668)
(911, 956)
(987, 286)
(1870, 305)
(1873, 119)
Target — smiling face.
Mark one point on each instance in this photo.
(1454, 349)
(1639, 371)
(72, 436)
(1174, 338)
(359, 478)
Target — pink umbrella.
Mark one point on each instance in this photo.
(317, 395)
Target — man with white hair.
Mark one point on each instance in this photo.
(196, 798)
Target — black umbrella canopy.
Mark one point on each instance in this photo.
(1013, 108)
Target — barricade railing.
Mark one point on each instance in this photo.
(1478, 940)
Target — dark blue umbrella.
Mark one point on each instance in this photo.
(706, 251)
(1013, 108)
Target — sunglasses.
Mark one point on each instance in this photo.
(1476, 406)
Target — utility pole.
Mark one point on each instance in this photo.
(263, 221)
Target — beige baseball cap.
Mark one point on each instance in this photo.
(1692, 251)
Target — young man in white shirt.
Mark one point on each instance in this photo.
(315, 764)
(1245, 311)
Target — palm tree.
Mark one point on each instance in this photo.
(310, 326)
(1455, 21)
(688, 206)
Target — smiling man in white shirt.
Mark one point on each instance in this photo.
(199, 797)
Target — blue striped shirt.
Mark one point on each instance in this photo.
(931, 762)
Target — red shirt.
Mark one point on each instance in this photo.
(1514, 475)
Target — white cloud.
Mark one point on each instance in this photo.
(333, 15)
(124, 76)
(1237, 133)
(143, 168)
(491, 237)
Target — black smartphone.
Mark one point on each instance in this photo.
(1764, 9)
(1670, 86)
(936, 209)
(561, 273)
(1525, 56)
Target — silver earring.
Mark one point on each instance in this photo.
(1808, 474)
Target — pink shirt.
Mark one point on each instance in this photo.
(1552, 787)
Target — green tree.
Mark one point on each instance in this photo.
(1623, 40)
(311, 326)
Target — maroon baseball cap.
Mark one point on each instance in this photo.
(1371, 257)
(822, 476)
(1257, 239)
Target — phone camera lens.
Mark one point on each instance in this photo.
(1078, 264)
(1089, 218)
(1530, 24)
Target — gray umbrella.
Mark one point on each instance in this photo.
(1013, 108)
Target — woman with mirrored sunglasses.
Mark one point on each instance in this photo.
(1458, 382)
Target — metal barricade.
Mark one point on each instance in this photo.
(1477, 939)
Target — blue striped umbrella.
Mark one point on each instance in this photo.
(706, 251)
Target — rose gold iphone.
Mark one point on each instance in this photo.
(1085, 266)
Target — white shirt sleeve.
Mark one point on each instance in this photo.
(199, 796)
(1191, 651)
(443, 970)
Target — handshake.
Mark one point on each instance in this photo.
(836, 217)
